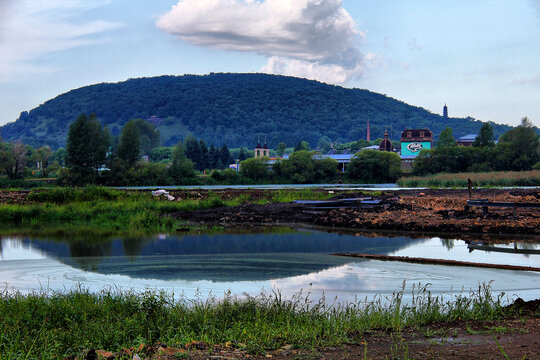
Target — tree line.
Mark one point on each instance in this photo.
(94, 156)
(516, 150)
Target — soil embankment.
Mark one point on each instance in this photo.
(408, 210)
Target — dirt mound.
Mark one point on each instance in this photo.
(430, 211)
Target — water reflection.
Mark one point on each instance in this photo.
(280, 259)
(217, 257)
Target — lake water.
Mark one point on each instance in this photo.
(277, 259)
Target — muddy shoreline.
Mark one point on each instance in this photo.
(425, 211)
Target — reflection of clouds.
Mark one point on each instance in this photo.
(367, 280)
(13, 248)
(365, 277)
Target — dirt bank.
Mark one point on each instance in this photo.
(410, 210)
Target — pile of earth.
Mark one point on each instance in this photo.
(417, 210)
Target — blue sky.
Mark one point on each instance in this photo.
(481, 57)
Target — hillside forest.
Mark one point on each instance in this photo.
(234, 109)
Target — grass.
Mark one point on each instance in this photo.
(96, 208)
(488, 179)
(105, 210)
(47, 326)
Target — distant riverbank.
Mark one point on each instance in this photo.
(107, 210)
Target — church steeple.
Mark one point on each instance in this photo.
(445, 111)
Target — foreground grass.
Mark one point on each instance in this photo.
(45, 326)
(502, 178)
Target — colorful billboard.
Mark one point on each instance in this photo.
(413, 148)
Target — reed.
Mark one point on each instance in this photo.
(488, 179)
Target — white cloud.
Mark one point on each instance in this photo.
(309, 38)
(33, 28)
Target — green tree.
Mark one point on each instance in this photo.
(255, 168)
(519, 148)
(448, 159)
(203, 150)
(301, 145)
(13, 159)
(485, 137)
(161, 154)
(213, 156)
(149, 136)
(60, 156)
(225, 156)
(242, 155)
(42, 156)
(192, 151)
(298, 168)
(181, 167)
(129, 147)
(86, 149)
(325, 169)
(446, 138)
(375, 166)
(281, 148)
(324, 144)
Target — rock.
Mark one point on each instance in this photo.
(169, 351)
(104, 354)
(91, 355)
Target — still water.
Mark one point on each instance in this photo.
(283, 260)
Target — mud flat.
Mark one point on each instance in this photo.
(432, 211)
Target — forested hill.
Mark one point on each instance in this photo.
(235, 109)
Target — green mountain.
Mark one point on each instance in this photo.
(236, 109)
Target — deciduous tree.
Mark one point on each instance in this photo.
(129, 147)
(86, 149)
(485, 137)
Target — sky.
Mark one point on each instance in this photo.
(481, 57)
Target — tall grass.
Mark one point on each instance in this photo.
(103, 208)
(503, 178)
(110, 210)
(41, 325)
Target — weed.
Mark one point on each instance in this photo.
(500, 348)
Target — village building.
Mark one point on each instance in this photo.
(262, 151)
(385, 144)
(467, 140)
(412, 142)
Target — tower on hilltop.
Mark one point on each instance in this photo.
(445, 111)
